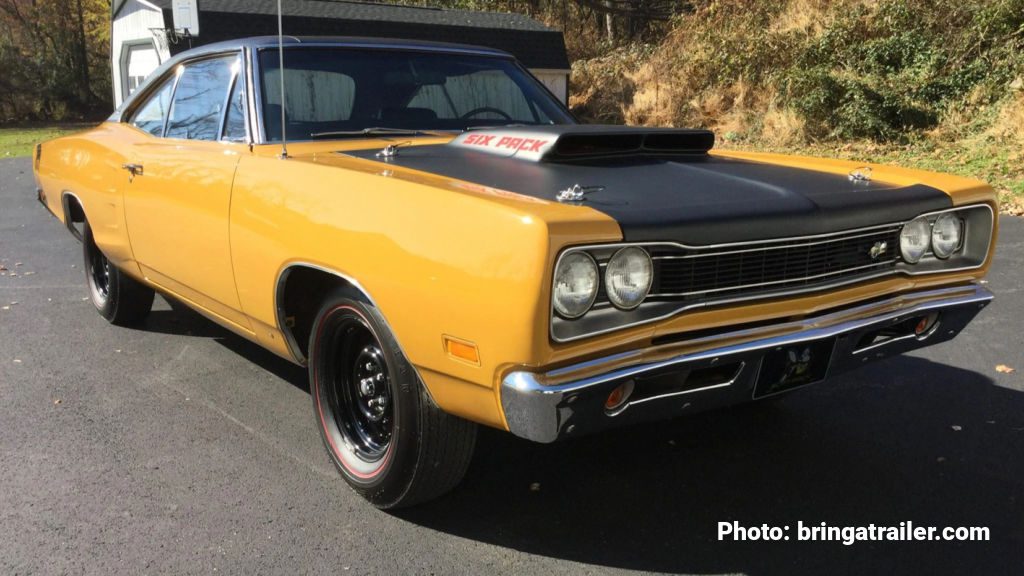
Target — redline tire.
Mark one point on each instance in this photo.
(117, 297)
(384, 433)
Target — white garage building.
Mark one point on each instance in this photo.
(143, 32)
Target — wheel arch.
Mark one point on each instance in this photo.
(74, 212)
(298, 295)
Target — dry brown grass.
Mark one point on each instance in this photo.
(808, 16)
(678, 83)
(602, 88)
(783, 127)
(1009, 123)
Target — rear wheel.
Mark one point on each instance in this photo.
(118, 298)
(386, 436)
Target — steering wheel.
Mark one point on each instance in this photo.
(483, 109)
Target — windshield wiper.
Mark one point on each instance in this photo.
(378, 131)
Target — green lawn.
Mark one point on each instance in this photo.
(21, 140)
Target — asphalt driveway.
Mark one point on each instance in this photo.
(181, 448)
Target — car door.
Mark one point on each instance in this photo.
(178, 194)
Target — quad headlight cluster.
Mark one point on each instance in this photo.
(941, 234)
(627, 281)
(600, 288)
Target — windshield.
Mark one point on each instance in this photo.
(331, 90)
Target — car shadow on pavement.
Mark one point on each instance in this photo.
(180, 320)
(904, 440)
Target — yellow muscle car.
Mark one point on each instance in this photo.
(429, 230)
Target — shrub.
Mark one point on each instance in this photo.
(883, 70)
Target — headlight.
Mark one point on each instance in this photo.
(628, 277)
(576, 283)
(946, 234)
(915, 239)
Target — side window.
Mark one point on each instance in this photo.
(234, 122)
(198, 103)
(150, 117)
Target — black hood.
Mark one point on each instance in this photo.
(682, 195)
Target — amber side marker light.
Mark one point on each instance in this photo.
(462, 350)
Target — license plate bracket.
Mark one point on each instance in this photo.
(792, 366)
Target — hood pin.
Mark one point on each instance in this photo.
(391, 150)
(577, 193)
(862, 174)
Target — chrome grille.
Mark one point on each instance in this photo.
(762, 268)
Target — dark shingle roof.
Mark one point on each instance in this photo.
(370, 11)
(534, 44)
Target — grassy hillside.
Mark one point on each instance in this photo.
(935, 84)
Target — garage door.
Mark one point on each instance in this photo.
(141, 60)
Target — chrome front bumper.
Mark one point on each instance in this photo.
(716, 371)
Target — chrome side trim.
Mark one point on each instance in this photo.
(255, 89)
(250, 127)
(178, 72)
(238, 75)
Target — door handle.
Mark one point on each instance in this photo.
(133, 170)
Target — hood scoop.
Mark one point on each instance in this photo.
(584, 142)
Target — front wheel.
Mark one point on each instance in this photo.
(119, 298)
(386, 436)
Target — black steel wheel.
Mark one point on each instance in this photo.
(386, 436)
(98, 269)
(117, 297)
(359, 391)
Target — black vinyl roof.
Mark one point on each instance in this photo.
(532, 43)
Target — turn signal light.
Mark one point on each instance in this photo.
(619, 396)
(462, 350)
(925, 324)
